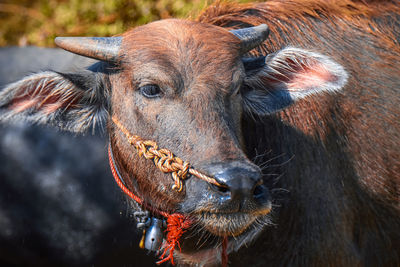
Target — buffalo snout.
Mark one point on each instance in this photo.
(234, 206)
(241, 182)
(241, 189)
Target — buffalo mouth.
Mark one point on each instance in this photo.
(240, 228)
(229, 224)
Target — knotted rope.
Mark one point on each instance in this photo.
(164, 159)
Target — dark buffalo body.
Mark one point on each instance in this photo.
(58, 205)
(306, 121)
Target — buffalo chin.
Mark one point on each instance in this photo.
(236, 226)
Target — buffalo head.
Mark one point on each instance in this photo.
(185, 85)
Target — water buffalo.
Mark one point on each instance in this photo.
(304, 120)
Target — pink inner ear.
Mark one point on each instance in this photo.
(310, 77)
(43, 101)
(52, 108)
(23, 104)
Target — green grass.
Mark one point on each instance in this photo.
(38, 22)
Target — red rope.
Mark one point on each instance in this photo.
(126, 190)
(224, 253)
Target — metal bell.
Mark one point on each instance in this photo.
(154, 235)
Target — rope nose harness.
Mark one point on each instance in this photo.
(177, 224)
(164, 159)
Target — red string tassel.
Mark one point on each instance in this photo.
(177, 224)
(224, 252)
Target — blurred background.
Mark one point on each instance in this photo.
(38, 22)
(59, 205)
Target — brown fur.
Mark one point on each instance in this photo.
(344, 177)
(287, 17)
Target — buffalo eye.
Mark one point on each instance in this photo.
(150, 91)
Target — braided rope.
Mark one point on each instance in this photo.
(164, 159)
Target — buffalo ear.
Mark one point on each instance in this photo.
(70, 101)
(287, 76)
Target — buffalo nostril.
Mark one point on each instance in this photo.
(258, 191)
(221, 189)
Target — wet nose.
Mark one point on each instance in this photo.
(240, 182)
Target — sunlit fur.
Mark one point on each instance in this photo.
(51, 98)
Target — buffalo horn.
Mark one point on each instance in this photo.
(251, 37)
(102, 48)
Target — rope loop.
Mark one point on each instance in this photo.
(184, 170)
(164, 159)
(164, 164)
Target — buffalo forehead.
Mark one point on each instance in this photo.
(182, 51)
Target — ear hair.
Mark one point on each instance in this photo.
(72, 102)
(289, 75)
(294, 62)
